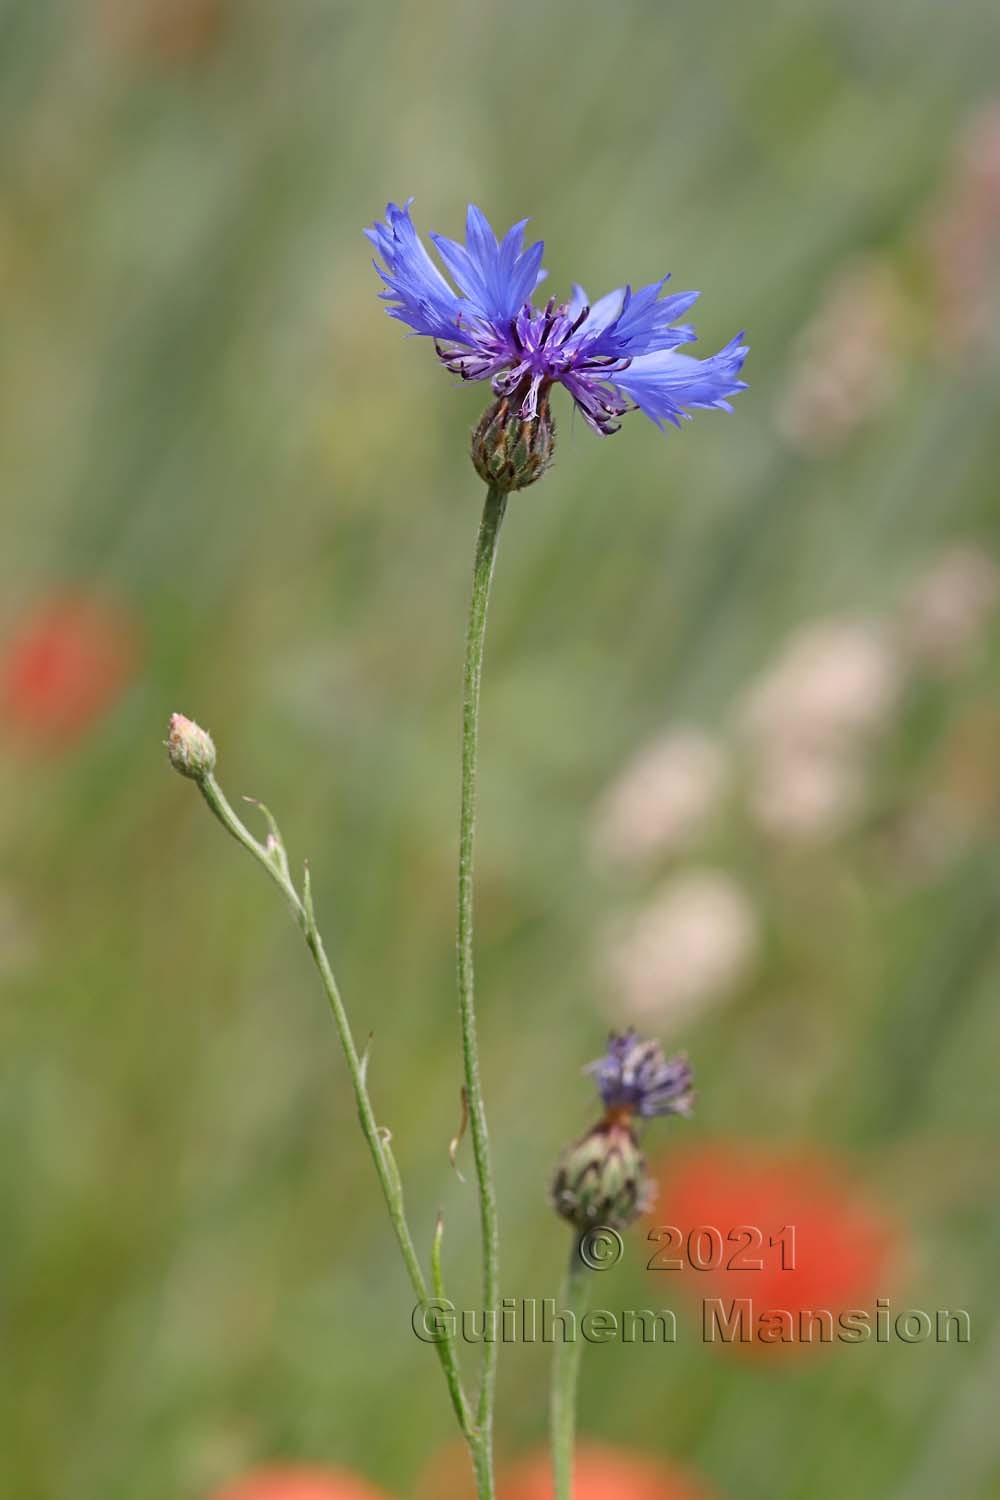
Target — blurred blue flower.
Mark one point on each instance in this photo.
(634, 1077)
(616, 355)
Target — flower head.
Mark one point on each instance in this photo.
(634, 1078)
(615, 355)
(602, 1178)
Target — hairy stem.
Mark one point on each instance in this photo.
(272, 856)
(486, 549)
(574, 1297)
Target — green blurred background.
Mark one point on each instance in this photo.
(209, 424)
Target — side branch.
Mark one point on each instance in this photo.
(271, 855)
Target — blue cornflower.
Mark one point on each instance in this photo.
(616, 355)
(633, 1077)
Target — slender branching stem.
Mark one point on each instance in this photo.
(574, 1297)
(477, 1427)
(486, 549)
(275, 861)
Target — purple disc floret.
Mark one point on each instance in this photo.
(615, 355)
(635, 1077)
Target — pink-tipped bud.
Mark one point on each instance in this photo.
(190, 748)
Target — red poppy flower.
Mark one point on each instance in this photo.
(796, 1236)
(601, 1473)
(297, 1483)
(63, 667)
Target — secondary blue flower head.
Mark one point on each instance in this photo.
(633, 1077)
(616, 355)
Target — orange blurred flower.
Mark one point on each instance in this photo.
(599, 1473)
(448, 1475)
(63, 667)
(602, 1473)
(298, 1483)
(174, 31)
(795, 1233)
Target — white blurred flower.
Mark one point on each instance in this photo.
(835, 682)
(948, 609)
(809, 721)
(846, 367)
(802, 792)
(661, 798)
(688, 947)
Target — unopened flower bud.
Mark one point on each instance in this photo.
(602, 1179)
(190, 748)
(510, 451)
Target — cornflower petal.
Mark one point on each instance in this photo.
(496, 278)
(419, 294)
(634, 1076)
(665, 384)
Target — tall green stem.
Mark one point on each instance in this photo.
(486, 550)
(574, 1297)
